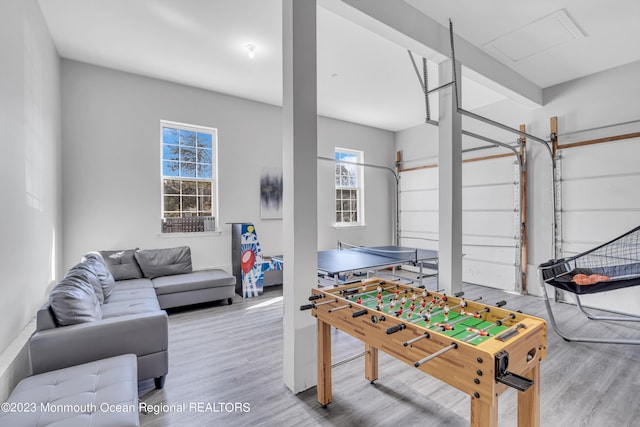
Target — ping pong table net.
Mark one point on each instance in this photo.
(612, 265)
(396, 254)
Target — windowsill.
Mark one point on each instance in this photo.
(192, 234)
(348, 225)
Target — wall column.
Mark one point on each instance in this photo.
(450, 184)
(300, 216)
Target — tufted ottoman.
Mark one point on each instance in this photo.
(103, 393)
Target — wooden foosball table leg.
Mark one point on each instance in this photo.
(324, 363)
(371, 363)
(484, 414)
(529, 401)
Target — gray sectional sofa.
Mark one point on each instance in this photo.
(113, 302)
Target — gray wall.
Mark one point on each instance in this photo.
(30, 225)
(111, 164)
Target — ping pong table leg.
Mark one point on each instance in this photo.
(421, 275)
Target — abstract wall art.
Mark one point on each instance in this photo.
(271, 193)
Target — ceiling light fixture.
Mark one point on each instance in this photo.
(252, 50)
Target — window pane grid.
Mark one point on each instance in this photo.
(188, 180)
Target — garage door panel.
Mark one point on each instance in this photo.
(494, 171)
(419, 179)
(488, 223)
(608, 193)
(600, 200)
(491, 275)
(619, 157)
(423, 221)
(489, 197)
(419, 200)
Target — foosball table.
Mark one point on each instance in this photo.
(477, 348)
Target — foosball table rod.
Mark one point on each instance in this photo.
(418, 338)
(342, 307)
(314, 305)
(349, 359)
(436, 354)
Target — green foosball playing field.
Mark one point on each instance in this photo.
(430, 311)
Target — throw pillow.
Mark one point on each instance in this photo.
(84, 272)
(107, 281)
(122, 264)
(73, 301)
(164, 262)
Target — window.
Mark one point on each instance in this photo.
(349, 187)
(189, 171)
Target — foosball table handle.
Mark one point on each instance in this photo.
(394, 329)
(306, 307)
(501, 303)
(359, 313)
(314, 297)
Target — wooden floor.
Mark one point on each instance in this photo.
(225, 369)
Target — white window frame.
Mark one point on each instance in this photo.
(359, 188)
(209, 225)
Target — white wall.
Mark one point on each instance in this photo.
(111, 163)
(379, 184)
(598, 100)
(30, 225)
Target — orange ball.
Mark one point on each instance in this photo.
(580, 279)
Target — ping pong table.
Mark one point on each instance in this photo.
(347, 258)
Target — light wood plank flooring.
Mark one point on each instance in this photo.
(220, 354)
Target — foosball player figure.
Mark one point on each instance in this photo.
(444, 326)
(392, 303)
(427, 317)
(478, 331)
(446, 312)
(379, 296)
(414, 297)
(423, 304)
(359, 300)
(379, 289)
(397, 292)
(412, 307)
(425, 294)
(443, 301)
(380, 305)
(363, 288)
(399, 312)
(463, 305)
(403, 300)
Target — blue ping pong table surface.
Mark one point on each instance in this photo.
(336, 261)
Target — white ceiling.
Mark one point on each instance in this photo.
(362, 76)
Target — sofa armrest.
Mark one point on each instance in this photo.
(66, 346)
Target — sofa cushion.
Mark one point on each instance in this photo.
(85, 272)
(87, 387)
(136, 304)
(193, 281)
(142, 283)
(164, 262)
(74, 301)
(131, 294)
(122, 264)
(96, 262)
